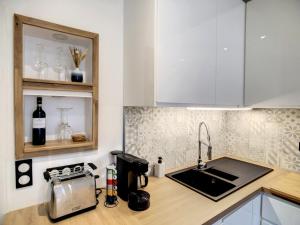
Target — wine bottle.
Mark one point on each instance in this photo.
(39, 124)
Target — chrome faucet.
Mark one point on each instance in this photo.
(201, 164)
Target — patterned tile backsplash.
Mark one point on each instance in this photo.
(263, 135)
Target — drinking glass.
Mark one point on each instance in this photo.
(39, 65)
(60, 67)
(64, 128)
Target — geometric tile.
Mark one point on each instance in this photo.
(264, 135)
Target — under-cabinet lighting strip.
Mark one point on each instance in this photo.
(220, 109)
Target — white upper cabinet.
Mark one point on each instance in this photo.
(230, 52)
(184, 52)
(273, 53)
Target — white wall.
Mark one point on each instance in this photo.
(101, 16)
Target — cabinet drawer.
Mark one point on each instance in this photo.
(280, 211)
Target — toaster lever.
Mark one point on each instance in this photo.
(47, 176)
(92, 165)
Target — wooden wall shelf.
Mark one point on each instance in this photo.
(57, 93)
(36, 84)
(28, 33)
(40, 81)
(55, 145)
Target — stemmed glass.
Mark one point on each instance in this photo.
(64, 129)
(59, 67)
(39, 65)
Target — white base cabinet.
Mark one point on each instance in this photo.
(264, 209)
(184, 52)
(279, 211)
(218, 222)
(264, 222)
(248, 214)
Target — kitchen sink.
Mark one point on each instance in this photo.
(222, 177)
(203, 182)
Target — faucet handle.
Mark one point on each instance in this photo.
(201, 165)
(209, 152)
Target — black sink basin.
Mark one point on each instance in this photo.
(221, 174)
(221, 177)
(203, 182)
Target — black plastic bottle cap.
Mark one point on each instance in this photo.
(39, 100)
(159, 159)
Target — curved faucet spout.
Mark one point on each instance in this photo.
(207, 133)
(201, 164)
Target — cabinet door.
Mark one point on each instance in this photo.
(264, 222)
(248, 214)
(230, 52)
(243, 214)
(186, 51)
(273, 53)
(218, 223)
(280, 211)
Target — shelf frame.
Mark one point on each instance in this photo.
(22, 149)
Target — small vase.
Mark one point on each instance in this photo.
(76, 75)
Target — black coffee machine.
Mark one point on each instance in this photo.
(131, 172)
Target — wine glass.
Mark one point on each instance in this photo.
(59, 67)
(64, 128)
(39, 65)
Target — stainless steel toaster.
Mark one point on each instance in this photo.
(73, 191)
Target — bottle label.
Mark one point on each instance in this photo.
(39, 123)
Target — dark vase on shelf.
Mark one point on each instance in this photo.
(77, 75)
(39, 124)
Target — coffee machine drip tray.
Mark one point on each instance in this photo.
(139, 200)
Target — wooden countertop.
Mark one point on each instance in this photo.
(286, 186)
(171, 203)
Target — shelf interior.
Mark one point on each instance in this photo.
(50, 48)
(79, 116)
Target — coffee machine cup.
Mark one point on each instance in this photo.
(140, 174)
(140, 182)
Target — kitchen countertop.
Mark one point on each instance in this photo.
(171, 203)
